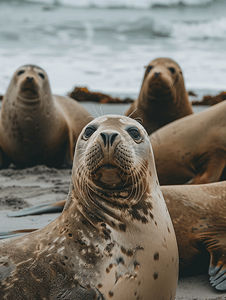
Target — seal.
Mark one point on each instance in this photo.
(163, 97)
(37, 127)
(114, 238)
(198, 215)
(193, 149)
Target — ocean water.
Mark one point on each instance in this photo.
(105, 44)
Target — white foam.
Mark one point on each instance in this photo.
(211, 29)
(123, 3)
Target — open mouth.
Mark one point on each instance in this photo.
(108, 175)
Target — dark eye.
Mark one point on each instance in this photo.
(41, 75)
(89, 131)
(172, 70)
(20, 72)
(134, 133)
(149, 69)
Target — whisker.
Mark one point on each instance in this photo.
(101, 109)
(95, 110)
(132, 113)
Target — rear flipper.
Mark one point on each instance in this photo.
(215, 241)
(39, 209)
(16, 233)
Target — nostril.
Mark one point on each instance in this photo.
(104, 137)
(30, 79)
(112, 137)
(157, 74)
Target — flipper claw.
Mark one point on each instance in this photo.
(213, 270)
(218, 277)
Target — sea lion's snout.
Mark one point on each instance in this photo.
(103, 149)
(108, 138)
(29, 79)
(29, 88)
(157, 74)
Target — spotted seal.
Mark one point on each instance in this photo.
(163, 97)
(37, 127)
(114, 238)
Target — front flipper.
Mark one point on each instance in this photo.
(215, 242)
(217, 269)
(208, 170)
(39, 209)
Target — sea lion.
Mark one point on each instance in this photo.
(193, 149)
(114, 239)
(198, 215)
(163, 97)
(37, 127)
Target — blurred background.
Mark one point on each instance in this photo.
(105, 44)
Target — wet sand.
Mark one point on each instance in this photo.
(38, 185)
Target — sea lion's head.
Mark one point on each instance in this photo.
(163, 81)
(114, 160)
(29, 86)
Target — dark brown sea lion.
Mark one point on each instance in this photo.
(114, 239)
(193, 149)
(37, 127)
(163, 97)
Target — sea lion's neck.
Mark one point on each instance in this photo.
(152, 101)
(103, 208)
(164, 108)
(16, 111)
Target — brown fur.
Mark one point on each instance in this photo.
(193, 149)
(198, 215)
(162, 97)
(37, 127)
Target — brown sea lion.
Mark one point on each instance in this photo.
(163, 97)
(193, 149)
(198, 215)
(114, 239)
(37, 127)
